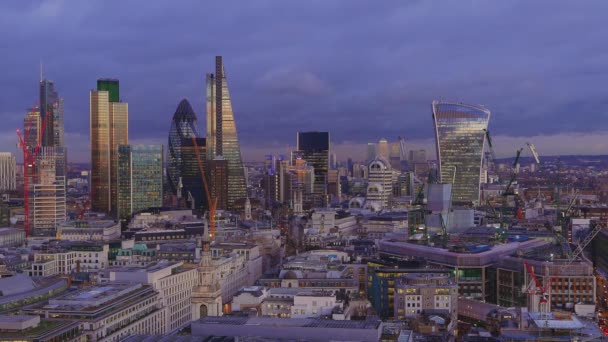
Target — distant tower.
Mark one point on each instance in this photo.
(247, 209)
(297, 202)
(314, 148)
(222, 138)
(383, 149)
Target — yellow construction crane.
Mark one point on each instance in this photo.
(212, 202)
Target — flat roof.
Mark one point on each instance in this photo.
(292, 322)
(16, 318)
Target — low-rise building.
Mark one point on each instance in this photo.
(25, 328)
(306, 329)
(174, 283)
(426, 293)
(11, 237)
(89, 230)
(108, 312)
(72, 256)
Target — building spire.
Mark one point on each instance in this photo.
(41, 70)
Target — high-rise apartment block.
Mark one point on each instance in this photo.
(109, 129)
(222, 138)
(8, 164)
(314, 148)
(140, 178)
(460, 132)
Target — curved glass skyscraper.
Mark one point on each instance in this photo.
(460, 133)
(183, 128)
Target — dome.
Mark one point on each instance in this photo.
(184, 111)
(378, 164)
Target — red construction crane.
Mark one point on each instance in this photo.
(212, 202)
(29, 159)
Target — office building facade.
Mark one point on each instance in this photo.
(8, 164)
(140, 178)
(109, 128)
(222, 138)
(192, 187)
(314, 148)
(460, 133)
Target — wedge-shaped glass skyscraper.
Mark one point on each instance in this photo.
(222, 139)
(460, 133)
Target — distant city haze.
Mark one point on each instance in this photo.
(361, 72)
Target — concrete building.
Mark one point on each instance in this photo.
(8, 165)
(286, 329)
(173, 282)
(86, 256)
(250, 251)
(380, 182)
(31, 328)
(48, 200)
(89, 230)
(378, 226)
(109, 312)
(12, 237)
(426, 293)
(249, 300)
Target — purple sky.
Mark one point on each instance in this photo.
(363, 70)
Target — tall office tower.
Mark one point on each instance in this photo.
(371, 152)
(383, 148)
(219, 177)
(32, 123)
(333, 161)
(51, 112)
(301, 177)
(275, 181)
(48, 199)
(417, 156)
(109, 129)
(380, 182)
(394, 155)
(460, 132)
(8, 178)
(222, 139)
(192, 190)
(183, 127)
(334, 187)
(140, 178)
(313, 147)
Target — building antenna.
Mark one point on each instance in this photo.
(41, 70)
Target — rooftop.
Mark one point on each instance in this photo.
(292, 322)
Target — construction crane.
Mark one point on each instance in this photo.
(596, 227)
(402, 150)
(212, 202)
(30, 153)
(536, 291)
(515, 167)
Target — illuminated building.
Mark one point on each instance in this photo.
(460, 132)
(8, 164)
(109, 129)
(222, 138)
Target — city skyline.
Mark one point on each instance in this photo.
(519, 73)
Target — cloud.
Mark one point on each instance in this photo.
(291, 81)
(362, 71)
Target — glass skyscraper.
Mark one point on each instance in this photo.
(460, 133)
(140, 178)
(222, 139)
(314, 147)
(109, 129)
(192, 182)
(51, 111)
(183, 128)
